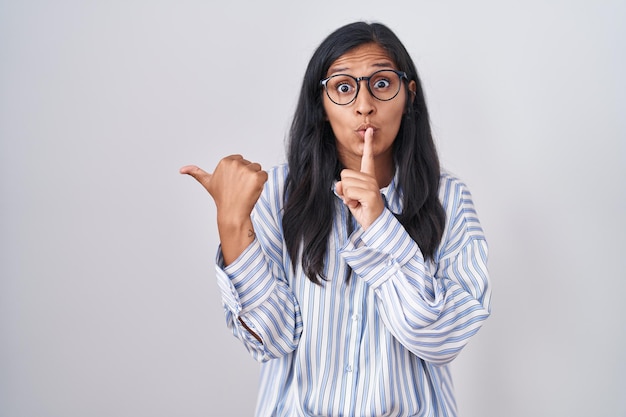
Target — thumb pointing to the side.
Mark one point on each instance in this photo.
(198, 173)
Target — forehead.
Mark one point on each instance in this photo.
(369, 55)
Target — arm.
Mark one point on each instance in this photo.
(431, 314)
(259, 306)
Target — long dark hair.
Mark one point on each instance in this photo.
(314, 164)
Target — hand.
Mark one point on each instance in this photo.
(359, 190)
(235, 185)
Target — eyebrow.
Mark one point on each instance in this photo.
(335, 70)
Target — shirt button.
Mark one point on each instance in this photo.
(349, 368)
(355, 317)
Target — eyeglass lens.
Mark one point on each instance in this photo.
(383, 85)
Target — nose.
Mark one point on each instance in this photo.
(364, 102)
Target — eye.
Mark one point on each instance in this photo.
(344, 87)
(381, 83)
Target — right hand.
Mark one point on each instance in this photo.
(359, 189)
(235, 185)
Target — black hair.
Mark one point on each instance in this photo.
(314, 164)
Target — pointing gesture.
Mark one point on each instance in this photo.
(360, 190)
(235, 185)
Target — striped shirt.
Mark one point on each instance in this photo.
(378, 344)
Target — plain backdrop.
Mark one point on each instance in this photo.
(108, 300)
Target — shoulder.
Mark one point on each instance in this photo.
(276, 177)
(452, 191)
(274, 187)
(278, 172)
(462, 224)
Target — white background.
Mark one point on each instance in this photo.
(108, 303)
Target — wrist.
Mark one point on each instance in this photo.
(233, 223)
(235, 236)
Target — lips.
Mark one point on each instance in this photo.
(363, 127)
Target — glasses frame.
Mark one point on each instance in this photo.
(324, 83)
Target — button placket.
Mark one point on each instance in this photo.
(354, 340)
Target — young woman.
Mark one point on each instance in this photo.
(357, 271)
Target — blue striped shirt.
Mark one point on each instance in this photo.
(378, 344)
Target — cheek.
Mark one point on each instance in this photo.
(394, 121)
(396, 113)
(332, 112)
(336, 116)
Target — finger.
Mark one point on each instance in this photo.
(367, 160)
(352, 203)
(339, 188)
(340, 193)
(254, 166)
(198, 173)
(187, 168)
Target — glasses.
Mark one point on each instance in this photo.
(383, 85)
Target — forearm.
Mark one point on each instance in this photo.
(271, 330)
(235, 237)
(431, 316)
(260, 308)
(436, 329)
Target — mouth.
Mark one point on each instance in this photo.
(362, 128)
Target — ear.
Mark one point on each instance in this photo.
(412, 90)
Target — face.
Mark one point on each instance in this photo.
(350, 121)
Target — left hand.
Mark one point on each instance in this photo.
(359, 189)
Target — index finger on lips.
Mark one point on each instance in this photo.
(367, 160)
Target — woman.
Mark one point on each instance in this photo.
(356, 272)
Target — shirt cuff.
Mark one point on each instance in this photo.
(377, 253)
(245, 283)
